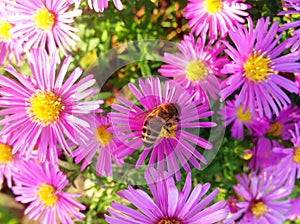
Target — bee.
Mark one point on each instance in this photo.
(160, 122)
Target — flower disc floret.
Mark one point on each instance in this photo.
(196, 71)
(6, 154)
(257, 67)
(296, 156)
(103, 135)
(44, 19)
(243, 116)
(258, 208)
(44, 107)
(47, 195)
(5, 28)
(213, 6)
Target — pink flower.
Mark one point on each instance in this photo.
(41, 185)
(44, 24)
(196, 67)
(43, 110)
(264, 198)
(10, 45)
(173, 141)
(214, 16)
(102, 142)
(256, 56)
(169, 205)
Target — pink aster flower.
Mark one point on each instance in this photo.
(293, 7)
(256, 62)
(169, 205)
(44, 110)
(44, 24)
(263, 156)
(41, 185)
(10, 45)
(9, 162)
(99, 140)
(100, 5)
(162, 126)
(284, 123)
(235, 115)
(292, 159)
(196, 66)
(264, 198)
(214, 16)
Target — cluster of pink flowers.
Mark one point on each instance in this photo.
(50, 113)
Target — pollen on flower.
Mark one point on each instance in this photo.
(44, 19)
(213, 6)
(5, 27)
(275, 129)
(103, 135)
(296, 156)
(167, 220)
(196, 71)
(5, 153)
(257, 67)
(47, 195)
(243, 117)
(258, 208)
(44, 107)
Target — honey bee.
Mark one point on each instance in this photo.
(160, 122)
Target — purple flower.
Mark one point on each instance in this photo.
(100, 139)
(9, 162)
(285, 122)
(169, 205)
(256, 61)
(263, 156)
(235, 115)
(10, 45)
(166, 132)
(293, 8)
(41, 185)
(292, 159)
(100, 5)
(196, 66)
(44, 24)
(214, 16)
(44, 110)
(264, 198)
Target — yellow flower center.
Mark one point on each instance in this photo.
(213, 6)
(257, 67)
(258, 208)
(45, 107)
(167, 220)
(4, 30)
(196, 71)
(275, 129)
(47, 195)
(296, 156)
(103, 135)
(243, 117)
(5, 153)
(44, 19)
